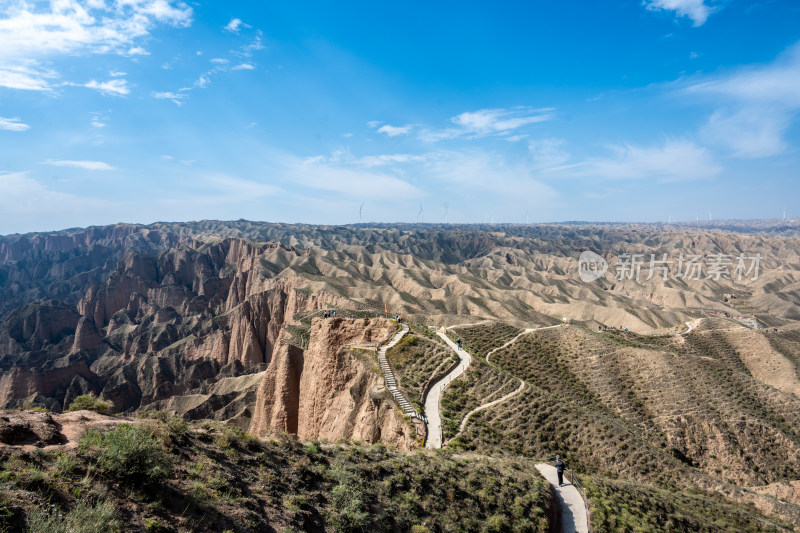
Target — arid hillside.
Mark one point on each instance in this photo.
(666, 372)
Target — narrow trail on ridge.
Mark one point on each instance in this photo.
(574, 518)
(510, 395)
(434, 397)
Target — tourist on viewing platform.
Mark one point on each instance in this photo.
(560, 470)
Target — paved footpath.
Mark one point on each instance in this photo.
(570, 501)
(434, 397)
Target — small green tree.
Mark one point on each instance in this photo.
(89, 402)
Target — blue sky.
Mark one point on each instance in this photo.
(148, 110)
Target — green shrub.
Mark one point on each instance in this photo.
(129, 454)
(350, 512)
(89, 402)
(178, 427)
(83, 518)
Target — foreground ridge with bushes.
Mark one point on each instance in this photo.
(165, 474)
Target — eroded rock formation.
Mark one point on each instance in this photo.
(328, 391)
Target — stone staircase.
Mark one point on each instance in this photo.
(391, 381)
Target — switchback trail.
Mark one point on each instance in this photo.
(510, 394)
(434, 397)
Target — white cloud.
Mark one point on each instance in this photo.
(115, 87)
(486, 122)
(388, 159)
(374, 123)
(394, 131)
(27, 76)
(749, 133)
(234, 25)
(27, 205)
(176, 97)
(218, 61)
(35, 31)
(675, 160)
(117, 73)
(319, 174)
(244, 66)
(548, 152)
(85, 165)
(489, 176)
(696, 10)
(97, 120)
(12, 124)
(754, 107)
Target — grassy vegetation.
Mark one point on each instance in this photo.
(130, 454)
(596, 400)
(416, 359)
(217, 478)
(480, 339)
(480, 384)
(788, 344)
(90, 403)
(672, 413)
(621, 506)
(85, 517)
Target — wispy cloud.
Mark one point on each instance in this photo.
(486, 122)
(318, 173)
(253, 46)
(12, 124)
(548, 153)
(28, 205)
(115, 87)
(244, 66)
(754, 107)
(25, 75)
(30, 32)
(390, 159)
(176, 97)
(97, 120)
(675, 160)
(394, 131)
(231, 187)
(696, 10)
(85, 165)
(235, 25)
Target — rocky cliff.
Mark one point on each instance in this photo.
(160, 325)
(328, 391)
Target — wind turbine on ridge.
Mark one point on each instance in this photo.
(360, 209)
(420, 214)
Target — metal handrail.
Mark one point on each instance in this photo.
(577, 484)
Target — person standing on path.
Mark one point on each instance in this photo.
(560, 470)
(459, 343)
